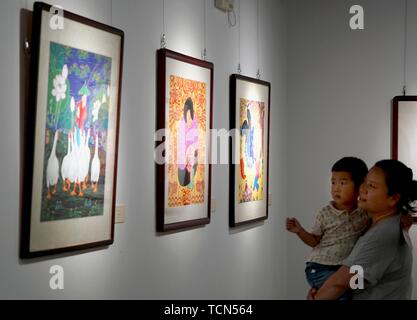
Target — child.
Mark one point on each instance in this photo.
(338, 225)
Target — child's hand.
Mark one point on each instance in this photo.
(293, 225)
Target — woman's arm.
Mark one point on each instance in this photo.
(335, 286)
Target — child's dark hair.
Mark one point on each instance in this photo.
(399, 180)
(188, 106)
(356, 167)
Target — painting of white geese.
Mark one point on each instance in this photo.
(77, 108)
(95, 167)
(52, 169)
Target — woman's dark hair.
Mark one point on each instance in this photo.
(399, 180)
(246, 124)
(356, 167)
(248, 115)
(188, 106)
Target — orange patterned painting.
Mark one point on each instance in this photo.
(187, 147)
(252, 114)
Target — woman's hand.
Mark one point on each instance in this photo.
(190, 159)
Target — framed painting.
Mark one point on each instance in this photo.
(72, 139)
(249, 150)
(404, 132)
(184, 116)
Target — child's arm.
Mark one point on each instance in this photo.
(308, 238)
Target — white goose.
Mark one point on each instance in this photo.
(66, 185)
(73, 168)
(81, 165)
(95, 167)
(52, 169)
(85, 160)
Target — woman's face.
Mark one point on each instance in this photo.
(373, 193)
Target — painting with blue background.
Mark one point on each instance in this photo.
(77, 119)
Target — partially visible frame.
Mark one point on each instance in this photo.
(184, 111)
(249, 150)
(404, 132)
(72, 136)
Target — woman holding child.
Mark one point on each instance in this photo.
(383, 251)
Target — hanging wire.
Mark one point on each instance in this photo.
(111, 12)
(26, 41)
(405, 49)
(205, 23)
(163, 37)
(163, 16)
(258, 74)
(239, 69)
(204, 53)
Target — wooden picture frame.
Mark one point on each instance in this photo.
(404, 132)
(249, 150)
(184, 112)
(72, 137)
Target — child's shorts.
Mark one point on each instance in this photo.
(317, 274)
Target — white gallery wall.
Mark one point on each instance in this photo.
(331, 93)
(340, 86)
(212, 262)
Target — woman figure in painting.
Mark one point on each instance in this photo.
(187, 146)
(259, 150)
(247, 132)
(247, 158)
